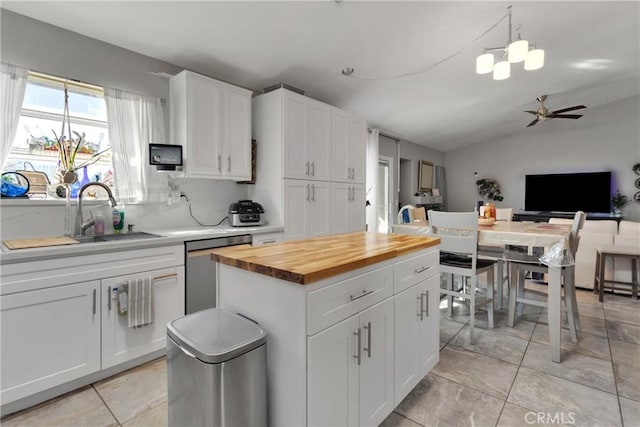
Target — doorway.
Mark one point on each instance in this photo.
(384, 189)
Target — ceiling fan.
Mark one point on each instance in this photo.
(543, 113)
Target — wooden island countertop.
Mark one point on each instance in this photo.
(310, 260)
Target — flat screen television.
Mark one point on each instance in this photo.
(165, 156)
(568, 192)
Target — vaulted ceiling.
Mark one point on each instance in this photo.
(591, 48)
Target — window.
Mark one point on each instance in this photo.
(34, 147)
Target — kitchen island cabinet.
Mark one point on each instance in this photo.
(330, 308)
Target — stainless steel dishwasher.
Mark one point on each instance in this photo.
(201, 273)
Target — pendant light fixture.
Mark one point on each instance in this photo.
(513, 52)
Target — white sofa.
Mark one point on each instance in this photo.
(601, 233)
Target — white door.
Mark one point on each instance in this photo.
(384, 199)
(319, 209)
(121, 343)
(332, 376)
(356, 212)
(357, 148)
(204, 102)
(340, 168)
(296, 206)
(49, 336)
(428, 348)
(237, 133)
(376, 368)
(296, 162)
(318, 140)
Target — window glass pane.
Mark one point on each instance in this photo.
(51, 99)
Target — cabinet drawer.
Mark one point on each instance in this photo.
(266, 239)
(416, 269)
(329, 305)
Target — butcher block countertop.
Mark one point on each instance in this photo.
(310, 260)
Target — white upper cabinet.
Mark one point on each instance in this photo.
(212, 121)
(307, 138)
(349, 138)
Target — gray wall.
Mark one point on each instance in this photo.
(606, 138)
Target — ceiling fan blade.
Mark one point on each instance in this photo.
(564, 116)
(564, 110)
(531, 111)
(533, 122)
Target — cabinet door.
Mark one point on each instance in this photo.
(319, 210)
(341, 170)
(332, 376)
(416, 340)
(356, 208)
(296, 206)
(318, 140)
(340, 201)
(49, 336)
(357, 148)
(296, 162)
(237, 133)
(204, 102)
(376, 368)
(121, 343)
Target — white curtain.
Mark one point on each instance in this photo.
(372, 180)
(135, 121)
(12, 86)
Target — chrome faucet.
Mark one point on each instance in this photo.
(81, 226)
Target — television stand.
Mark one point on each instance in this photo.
(545, 216)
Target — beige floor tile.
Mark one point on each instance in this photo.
(514, 415)
(564, 399)
(397, 420)
(628, 381)
(626, 353)
(589, 345)
(494, 343)
(522, 328)
(623, 331)
(590, 371)
(448, 329)
(155, 417)
(482, 373)
(624, 313)
(437, 401)
(82, 407)
(630, 412)
(588, 325)
(136, 391)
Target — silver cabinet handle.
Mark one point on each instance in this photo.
(421, 269)
(219, 163)
(353, 194)
(313, 168)
(368, 348)
(353, 173)
(420, 311)
(94, 300)
(358, 355)
(306, 168)
(109, 298)
(426, 305)
(266, 242)
(229, 164)
(308, 193)
(313, 192)
(422, 304)
(349, 193)
(363, 294)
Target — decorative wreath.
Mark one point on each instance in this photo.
(489, 189)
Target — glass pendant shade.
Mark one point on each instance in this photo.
(502, 70)
(484, 63)
(534, 60)
(518, 51)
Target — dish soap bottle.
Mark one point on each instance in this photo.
(117, 217)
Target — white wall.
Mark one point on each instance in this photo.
(48, 49)
(605, 138)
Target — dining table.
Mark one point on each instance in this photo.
(553, 237)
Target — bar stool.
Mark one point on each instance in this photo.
(602, 252)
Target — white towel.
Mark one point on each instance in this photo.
(140, 302)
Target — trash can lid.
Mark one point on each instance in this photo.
(216, 335)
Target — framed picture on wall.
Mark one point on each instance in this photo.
(425, 176)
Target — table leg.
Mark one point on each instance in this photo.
(553, 311)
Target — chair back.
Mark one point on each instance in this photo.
(457, 231)
(504, 214)
(574, 235)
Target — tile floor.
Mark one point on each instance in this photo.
(504, 380)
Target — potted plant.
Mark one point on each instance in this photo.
(618, 201)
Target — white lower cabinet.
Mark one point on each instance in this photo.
(416, 335)
(350, 370)
(121, 343)
(49, 337)
(307, 210)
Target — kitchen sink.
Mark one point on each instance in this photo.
(116, 237)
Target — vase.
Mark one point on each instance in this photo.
(67, 179)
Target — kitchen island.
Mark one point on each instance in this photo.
(352, 321)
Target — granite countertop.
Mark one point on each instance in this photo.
(169, 236)
(310, 260)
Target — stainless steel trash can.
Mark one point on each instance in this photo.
(216, 370)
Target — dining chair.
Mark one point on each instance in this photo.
(458, 234)
(497, 253)
(522, 263)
